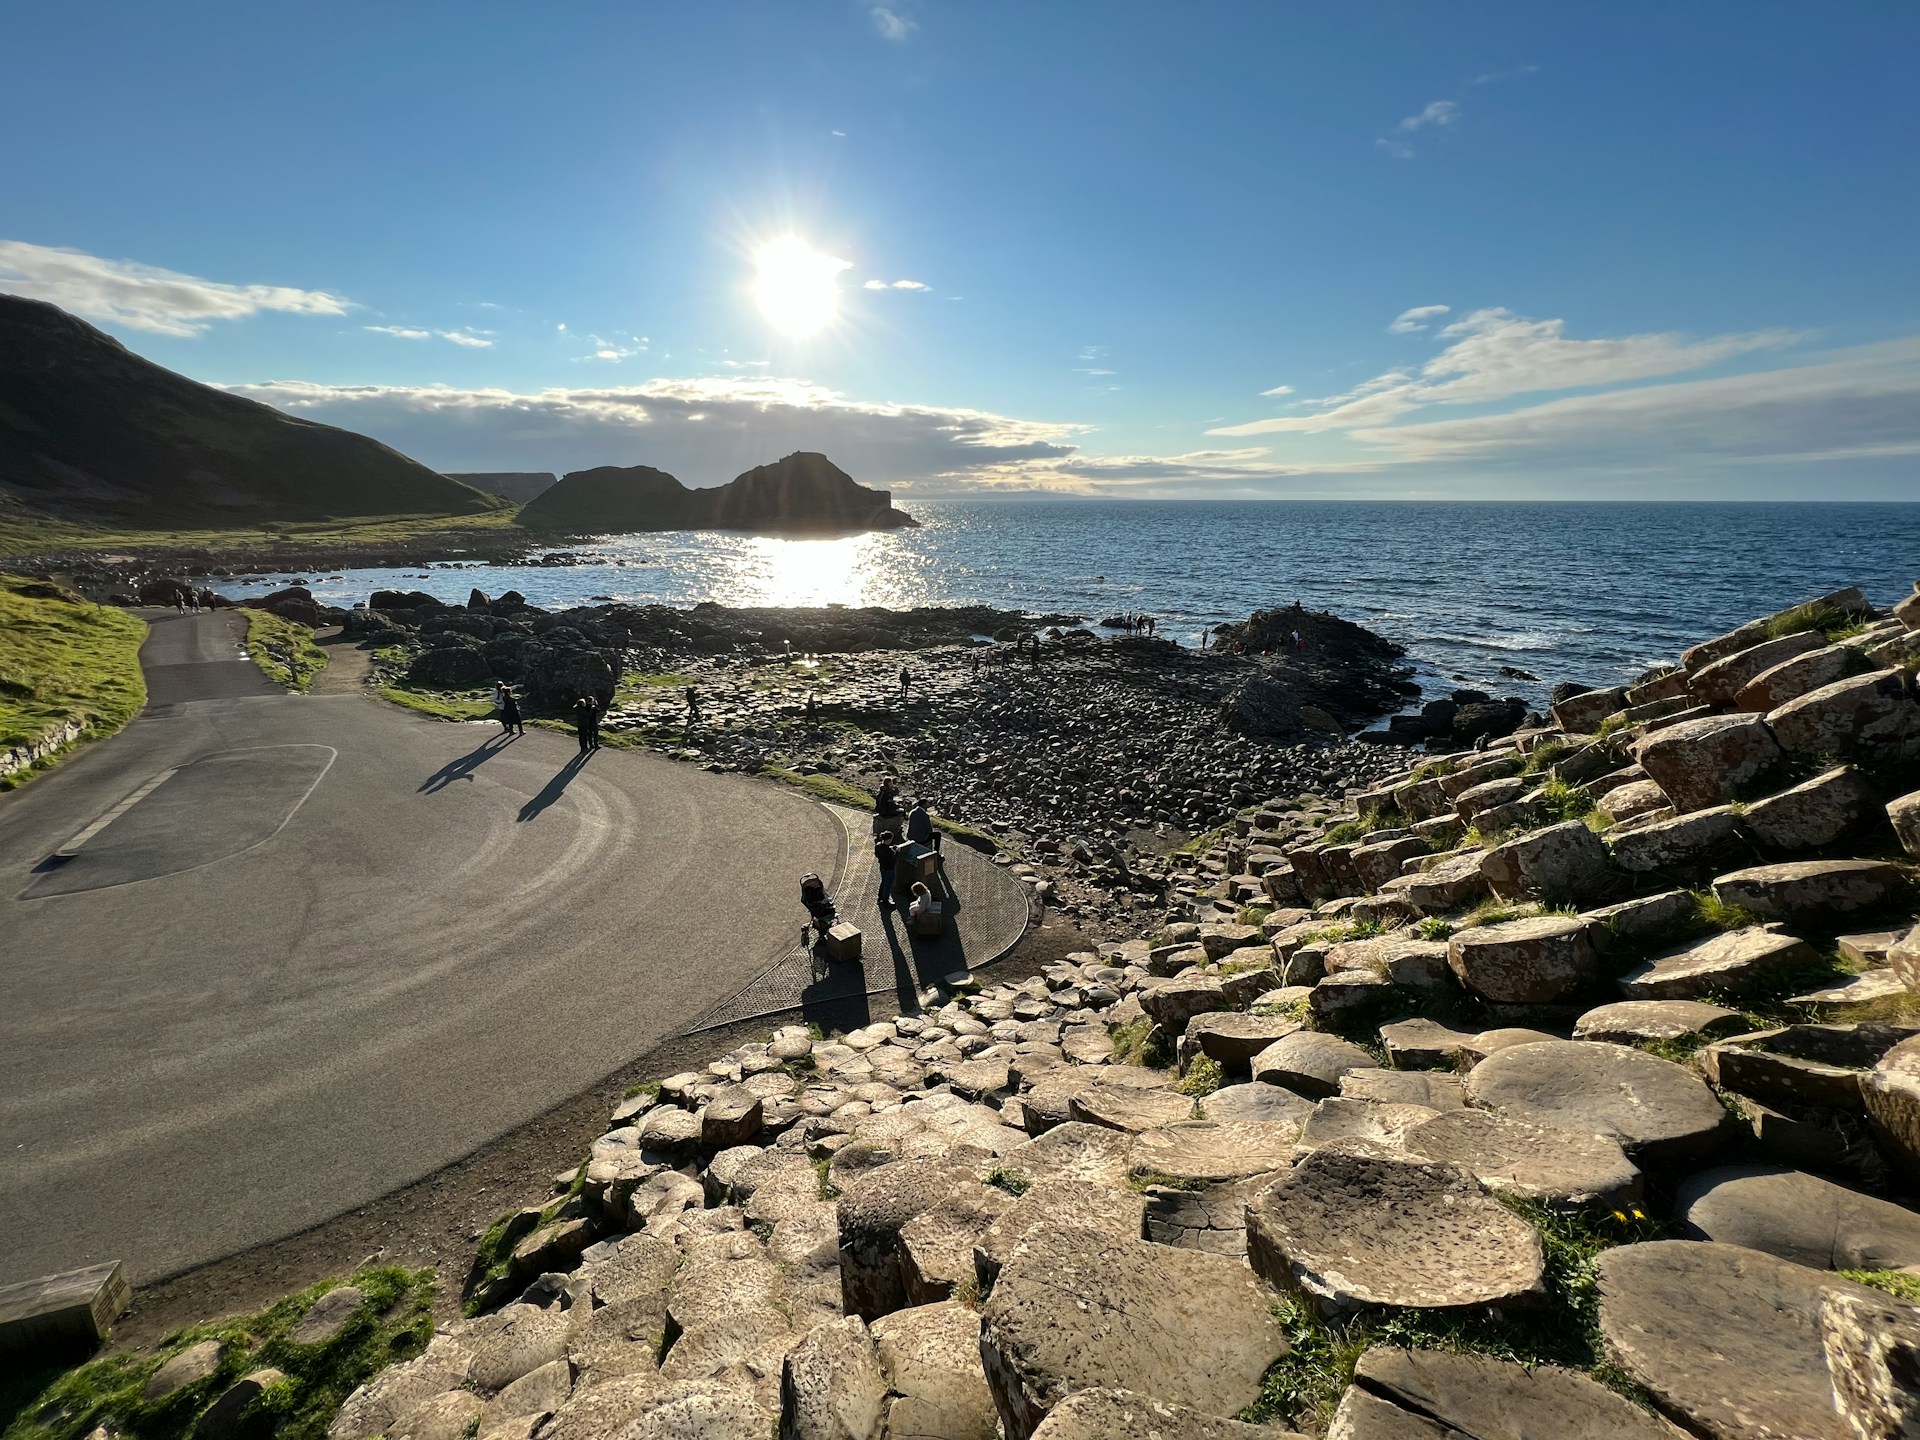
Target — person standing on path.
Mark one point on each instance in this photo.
(499, 700)
(585, 720)
(886, 858)
(510, 721)
(920, 827)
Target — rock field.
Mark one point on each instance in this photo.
(1555, 1081)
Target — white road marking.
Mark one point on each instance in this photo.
(72, 847)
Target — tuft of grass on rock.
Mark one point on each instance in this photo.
(1140, 1042)
(1141, 1181)
(394, 1322)
(1812, 615)
(1559, 802)
(1897, 1283)
(283, 649)
(1434, 927)
(1204, 1076)
(1011, 1181)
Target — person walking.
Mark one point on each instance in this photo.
(585, 720)
(692, 694)
(510, 721)
(904, 677)
(886, 857)
(920, 827)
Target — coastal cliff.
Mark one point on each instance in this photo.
(805, 493)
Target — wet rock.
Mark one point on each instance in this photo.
(1531, 961)
(1436, 1395)
(1073, 1310)
(1709, 761)
(1739, 962)
(1659, 1113)
(1349, 1231)
(1564, 1170)
(1310, 1062)
(1726, 1339)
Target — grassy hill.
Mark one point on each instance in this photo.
(95, 436)
(64, 661)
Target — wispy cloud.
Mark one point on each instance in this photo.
(1494, 76)
(471, 339)
(1438, 112)
(615, 348)
(1278, 390)
(895, 285)
(399, 332)
(891, 24)
(1496, 355)
(145, 297)
(1409, 322)
(1092, 370)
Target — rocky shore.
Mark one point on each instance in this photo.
(1557, 1080)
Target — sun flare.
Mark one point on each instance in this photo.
(796, 287)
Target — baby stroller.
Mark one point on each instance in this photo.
(813, 895)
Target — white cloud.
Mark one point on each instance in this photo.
(1085, 370)
(467, 338)
(1496, 355)
(895, 285)
(615, 349)
(838, 134)
(144, 297)
(891, 24)
(1278, 390)
(399, 332)
(1438, 112)
(473, 339)
(1407, 322)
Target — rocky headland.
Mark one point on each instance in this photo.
(804, 493)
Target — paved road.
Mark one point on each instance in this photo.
(332, 946)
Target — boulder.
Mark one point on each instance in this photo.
(1210, 1151)
(604, 1407)
(1868, 710)
(444, 1417)
(1798, 1217)
(1349, 1231)
(936, 1246)
(1717, 684)
(1891, 1094)
(1679, 848)
(1560, 862)
(732, 1116)
(1582, 713)
(1905, 815)
(1532, 961)
(1635, 798)
(1791, 679)
(1114, 1414)
(870, 1219)
(1659, 1112)
(1438, 1395)
(1873, 1358)
(708, 1410)
(1738, 962)
(1559, 1169)
(450, 667)
(1646, 918)
(931, 1358)
(1812, 890)
(1310, 1062)
(516, 1341)
(1630, 1022)
(1232, 1038)
(1444, 885)
(1173, 1004)
(1073, 1310)
(1709, 761)
(1727, 1340)
(832, 1387)
(328, 1316)
(1422, 1043)
(1812, 815)
(373, 1408)
(189, 1367)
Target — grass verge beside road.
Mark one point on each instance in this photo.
(24, 533)
(283, 649)
(63, 661)
(393, 1321)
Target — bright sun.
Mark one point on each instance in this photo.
(796, 287)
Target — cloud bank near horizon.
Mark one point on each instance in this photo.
(145, 297)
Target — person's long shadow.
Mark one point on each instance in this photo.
(463, 768)
(906, 978)
(556, 787)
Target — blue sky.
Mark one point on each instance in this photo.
(1155, 250)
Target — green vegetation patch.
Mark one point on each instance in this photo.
(64, 660)
(1204, 1076)
(394, 1322)
(283, 649)
(822, 787)
(1140, 1042)
(1812, 615)
(1897, 1283)
(1011, 1181)
(1348, 831)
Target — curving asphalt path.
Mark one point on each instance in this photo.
(331, 946)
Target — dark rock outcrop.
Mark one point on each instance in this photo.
(91, 432)
(804, 493)
(519, 486)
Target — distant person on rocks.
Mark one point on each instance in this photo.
(693, 705)
(904, 677)
(1206, 633)
(886, 800)
(586, 718)
(812, 708)
(920, 826)
(886, 857)
(1033, 655)
(510, 721)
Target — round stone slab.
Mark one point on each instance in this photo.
(1659, 1112)
(1525, 962)
(1350, 1231)
(1556, 1167)
(1430, 1394)
(1121, 1107)
(1268, 1104)
(1073, 1310)
(1381, 1123)
(1626, 1021)
(1212, 1150)
(1798, 1217)
(1310, 1062)
(1726, 1339)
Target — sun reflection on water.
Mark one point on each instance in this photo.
(854, 570)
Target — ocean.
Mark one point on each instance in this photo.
(1589, 592)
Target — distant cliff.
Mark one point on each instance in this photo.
(519, 486)
(89, 431)
(805, 493)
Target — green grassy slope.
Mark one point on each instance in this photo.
(63, 659)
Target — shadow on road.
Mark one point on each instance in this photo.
(463, 768)
(556, 787)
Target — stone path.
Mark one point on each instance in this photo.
(987, 913)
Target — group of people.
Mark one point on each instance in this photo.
(506, 709)
(916, 822)
(1138, 624)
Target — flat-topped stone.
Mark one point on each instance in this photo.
(1626, 1022)
(870, 1221)
(930, 1355)
(1380, 1124)
(1258, 1103)
(75, 1308)
(1437, 1395)
(1214, 1150)
(1798, 1217)
(1862, 711)
(1233, 1038)
(1114, 1414)
(1558, 862)
(1423, 1043)
(1073, 1311)
(1812, 890)
(1659, 1113)
(1434, 1090)
(1310, 1062)
(1058, 1204)
(1708, 761)
(1726, 1339)
(1532, 961)
(1559, 1168)
(1122, 1107)
(1074, 1151)
(1738, 962)
(1349, 1231)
